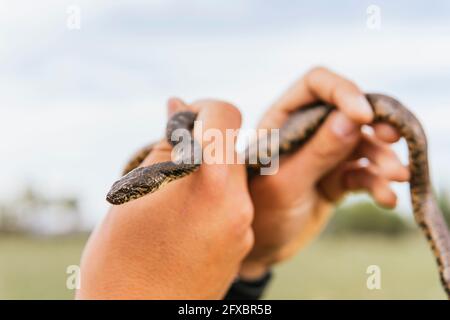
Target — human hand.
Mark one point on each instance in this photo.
(184, 241)
(292, 206)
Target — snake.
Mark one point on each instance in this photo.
(138, 181)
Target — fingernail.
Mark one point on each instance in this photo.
(343, 126)
(174, 105)
(361, 107)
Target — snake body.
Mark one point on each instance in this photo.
(301, 125)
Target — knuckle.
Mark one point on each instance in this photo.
(241, 220)
(246, 213)
(249, 241)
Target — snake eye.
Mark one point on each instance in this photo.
(126, 190)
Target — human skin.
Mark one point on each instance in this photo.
(293, 206)
(170, 245)
(185, 241)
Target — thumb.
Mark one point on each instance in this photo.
(333, 142)
(216, 129)
(162, 150)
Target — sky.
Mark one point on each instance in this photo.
(75, 103)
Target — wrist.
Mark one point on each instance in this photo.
(251, 270)
(248, 289)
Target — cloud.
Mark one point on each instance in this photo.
(79, 102)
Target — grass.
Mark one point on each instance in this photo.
(335, 268)
(35, 268)
(331, 268)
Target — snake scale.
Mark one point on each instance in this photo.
(301, 125)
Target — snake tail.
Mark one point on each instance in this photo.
(426, 209)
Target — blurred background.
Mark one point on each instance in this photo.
(83, 84)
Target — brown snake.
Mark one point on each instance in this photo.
(301, 125)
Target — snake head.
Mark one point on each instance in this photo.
(119, 193)
(133, 185)
(145, 180)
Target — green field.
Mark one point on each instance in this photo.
(335, 268)
(331, 268)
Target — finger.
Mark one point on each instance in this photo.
(333, 143)
(216, 115)
(353, 177)
(216, 128)
(367, 179)
(386, 132)
(338, 91)
(161, 151)
(383, 157)
(320, 84)
(175, 105)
